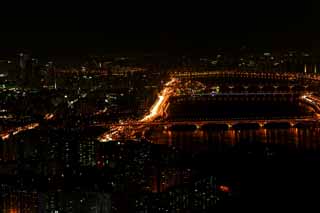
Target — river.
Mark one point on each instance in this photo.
(301, 138)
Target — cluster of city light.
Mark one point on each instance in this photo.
(6, 134)
(112, 134)
(49, 116)
(190, 88)
(157, 109)
(315, 101)
(101, 111)
(6, 117)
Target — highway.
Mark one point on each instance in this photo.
(157, 110)
(6, 134)
(159, 107)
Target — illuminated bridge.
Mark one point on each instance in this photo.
(235, 81)
(288, 76)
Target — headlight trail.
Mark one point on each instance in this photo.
(156, 111)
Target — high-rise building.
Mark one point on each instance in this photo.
(23, 66)
(29, 71)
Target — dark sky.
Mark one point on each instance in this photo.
(186, 27)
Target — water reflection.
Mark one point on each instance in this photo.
(302, 138)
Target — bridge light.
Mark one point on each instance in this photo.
(305, 68)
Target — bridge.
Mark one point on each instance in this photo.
(229, 122)
(131, 129)
(284, 81)
(241, 74)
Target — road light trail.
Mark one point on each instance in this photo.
(159, 107)
(6, 134)
(157, 110)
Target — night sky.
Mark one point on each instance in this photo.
(164, 27)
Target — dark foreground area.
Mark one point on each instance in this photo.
(139, 176)
(268, 178)
(248, 177)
